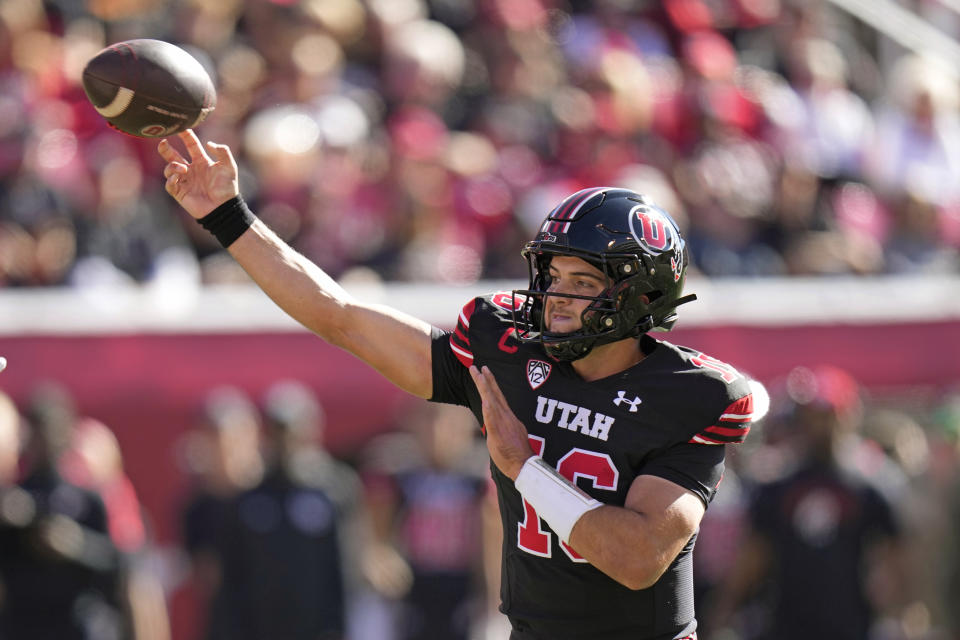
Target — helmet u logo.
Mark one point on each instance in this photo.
(650, 228)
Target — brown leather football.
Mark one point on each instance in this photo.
(149, 88)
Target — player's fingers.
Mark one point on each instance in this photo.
(483, 381)
(478, 380)
(168, 153)
(194, 148)
(494, 386)
(175, 173)
(494, 406)
(174, 168)
(483, 386)
(173, 186)
(220, 152)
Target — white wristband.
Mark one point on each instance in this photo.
(556, 499)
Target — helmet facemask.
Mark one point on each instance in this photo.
(624, 309)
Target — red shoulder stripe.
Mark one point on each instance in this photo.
(465, 356)
(466, 313)
(460, 338)
(736, 432)
(716, 434)
(740, 410)
(733, 425)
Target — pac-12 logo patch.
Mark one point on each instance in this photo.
(537, 372)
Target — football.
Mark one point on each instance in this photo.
(149, 88)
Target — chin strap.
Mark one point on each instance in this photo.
(685, 299)
(646, 324)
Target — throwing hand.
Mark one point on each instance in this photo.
(507, 438)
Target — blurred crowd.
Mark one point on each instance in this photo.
(839, 518)
(425, 139)
(277, 538)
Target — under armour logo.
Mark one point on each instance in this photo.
(622, 397)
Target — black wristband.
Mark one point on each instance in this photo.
(228, 221)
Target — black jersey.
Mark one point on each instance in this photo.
(667, 416)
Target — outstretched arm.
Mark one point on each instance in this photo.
(395, 344)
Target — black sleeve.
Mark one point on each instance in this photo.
(696, 467)
(452, 383)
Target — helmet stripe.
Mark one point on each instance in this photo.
(571, 203)
(569, 208)
(561, 210)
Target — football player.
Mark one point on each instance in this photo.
(606, 444)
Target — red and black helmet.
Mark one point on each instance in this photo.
(635, 243)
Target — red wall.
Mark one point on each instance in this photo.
(148, 387)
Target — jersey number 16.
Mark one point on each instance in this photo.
(578, 463)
